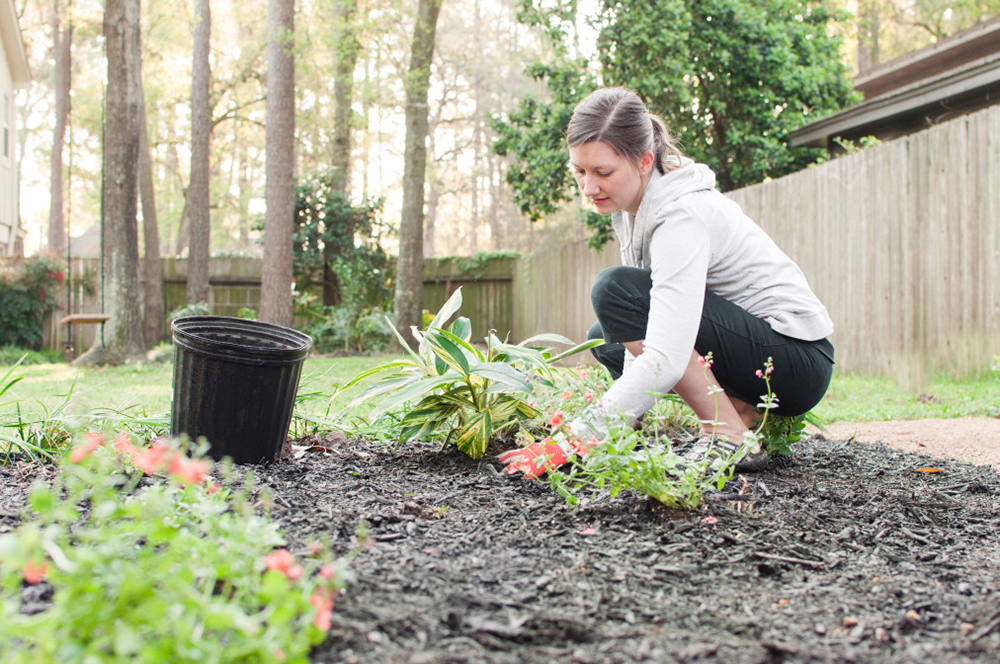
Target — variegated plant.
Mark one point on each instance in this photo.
(469, 394)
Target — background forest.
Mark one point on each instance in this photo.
(348, 131)
(480, 71)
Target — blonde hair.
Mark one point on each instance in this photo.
(618, 117)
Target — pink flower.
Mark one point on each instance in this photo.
(328, 572)
(280, 560)
(566, 396)
(188, 471)
(123, 445)
(588, 397)
(580, 448)
(151, 459)
(33, 572)
(760, 374)
(294, 573)
(90, 443)
(212, 488)
(583, 374)
(322, 601)
(556, 419)
(315, 548)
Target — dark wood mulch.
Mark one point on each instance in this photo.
(846, 554)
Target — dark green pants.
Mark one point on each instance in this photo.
(740, 343)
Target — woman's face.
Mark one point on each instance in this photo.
(610, 181)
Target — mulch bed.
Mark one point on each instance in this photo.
(847, 553)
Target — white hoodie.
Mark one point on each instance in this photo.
(693, 238)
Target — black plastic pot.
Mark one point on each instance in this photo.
(235, 382)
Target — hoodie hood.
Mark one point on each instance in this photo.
(662, 189)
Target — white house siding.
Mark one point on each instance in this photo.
(8, 172)
(13, 74)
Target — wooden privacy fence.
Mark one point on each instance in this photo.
(902, 243)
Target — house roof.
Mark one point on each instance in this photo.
(13, 45)
(957, 75)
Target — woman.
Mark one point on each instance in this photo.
(697, 277)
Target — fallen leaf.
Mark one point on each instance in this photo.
(710, 520)
(928, 470)
(589, 530)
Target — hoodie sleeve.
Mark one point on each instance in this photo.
(680, 250)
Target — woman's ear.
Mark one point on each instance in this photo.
(646, 163)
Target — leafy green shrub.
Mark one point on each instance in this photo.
(197, 309)
(627, 460)
(337, 328)
(172, 570)
(27, 295)
(13, 355)
(466, 394)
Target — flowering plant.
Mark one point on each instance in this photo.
(468, 394)
(26, 297)
(151, 560)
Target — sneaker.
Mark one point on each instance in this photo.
(712, 446)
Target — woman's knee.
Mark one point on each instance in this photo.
(618, 285)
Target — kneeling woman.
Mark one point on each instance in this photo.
(697, 277)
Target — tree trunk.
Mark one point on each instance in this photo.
(276, 289)
(152, 273)
(345, 54)
(61, 41)
(121, 340)
(198, 189)
(410, 265)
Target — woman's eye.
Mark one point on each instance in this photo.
(603, 175)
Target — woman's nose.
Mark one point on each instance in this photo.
(588, 186)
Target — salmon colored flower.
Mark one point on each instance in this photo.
(90, 443)
(566, 396)
(151, 459)
(328, 572)
(295, 572)
(588, 397)
(33, 572)
(188, 471)
(322, 601)
(556, 419)
(280, 560)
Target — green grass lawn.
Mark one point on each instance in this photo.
(146, 390)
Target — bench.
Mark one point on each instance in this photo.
(84, 319)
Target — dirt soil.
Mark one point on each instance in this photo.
(975, 439)
(849, 552)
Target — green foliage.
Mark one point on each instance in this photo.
(27, 295)
(247, 313)
(460, 391)
(172, 570)
(329, 229)
(196, 309)
(340, 328)
(627, 460)
(778, 433)
(731, 78)
(532, 136)
(13, 355)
